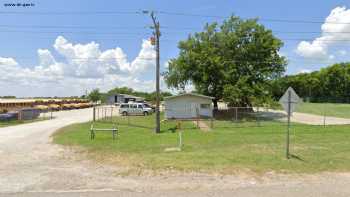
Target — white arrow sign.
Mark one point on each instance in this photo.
(289, 97)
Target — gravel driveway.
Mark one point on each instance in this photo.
(30, 165)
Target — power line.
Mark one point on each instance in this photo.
(261, 19)
(147, 34)
(318, 60)
(309, 32)
(73, 32)
(91, 58)
(170, 14)
(145, 27)
(72, 27)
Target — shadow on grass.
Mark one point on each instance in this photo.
(293, 156)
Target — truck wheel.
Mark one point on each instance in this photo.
(125, 113)
(145, 113)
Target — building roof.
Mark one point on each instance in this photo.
(189, 94)
(128, 96)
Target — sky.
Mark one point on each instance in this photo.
(65, 48)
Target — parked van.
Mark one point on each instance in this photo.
(134, 109)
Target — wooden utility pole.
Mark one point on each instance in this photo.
(156, 34)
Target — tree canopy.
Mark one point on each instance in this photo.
(95, 95)
(233, 61)
(330, 84)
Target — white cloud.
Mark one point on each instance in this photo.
(317, 49)
(335, 29)
(8, 61)
(84, 66)
(341, 52)
(304, 71)
(145, 59)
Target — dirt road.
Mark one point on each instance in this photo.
(30, 165)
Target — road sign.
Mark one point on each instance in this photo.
(289, 101)
(293, 101)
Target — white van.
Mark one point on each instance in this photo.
(127, 109)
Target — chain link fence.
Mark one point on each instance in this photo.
(317, 114)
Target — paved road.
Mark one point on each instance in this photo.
(30, 165)
(310, 119)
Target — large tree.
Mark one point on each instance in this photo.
(232, 61)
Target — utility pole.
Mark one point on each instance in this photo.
(156, 34)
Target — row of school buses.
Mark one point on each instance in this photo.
(43, 104)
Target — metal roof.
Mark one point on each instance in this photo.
(188, 94)
(128, 96)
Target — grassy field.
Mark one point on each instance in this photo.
(330, 109)
(224, 149)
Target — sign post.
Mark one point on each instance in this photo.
(289, 101)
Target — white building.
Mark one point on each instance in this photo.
(187, 106)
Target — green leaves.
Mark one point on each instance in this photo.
(95, 95)
(331, 84)
(232, 61)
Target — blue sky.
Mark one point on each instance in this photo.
(53, 70)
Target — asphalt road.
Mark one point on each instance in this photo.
(30, 165)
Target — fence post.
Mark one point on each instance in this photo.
(180, 140)
(324, 115)
(20, 115)
(106, 113)
(197, 114)
(111, 113)
(128, 120)
(94, 114)
(32, 117)
(236, 116)
(257, 117)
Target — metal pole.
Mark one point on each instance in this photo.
(288, 123)
(257, 116)
(324, 115)
(111, 113)
(94, 114)
(236, 115)
(180, 140)
(197, 115)
(128, 120)
(97, 113)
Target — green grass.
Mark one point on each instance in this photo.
(17, 122)
(225, 149)
(330, 109)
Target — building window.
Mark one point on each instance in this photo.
(205, 106)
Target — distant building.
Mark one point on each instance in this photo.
(188, 106)
(123, 98)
